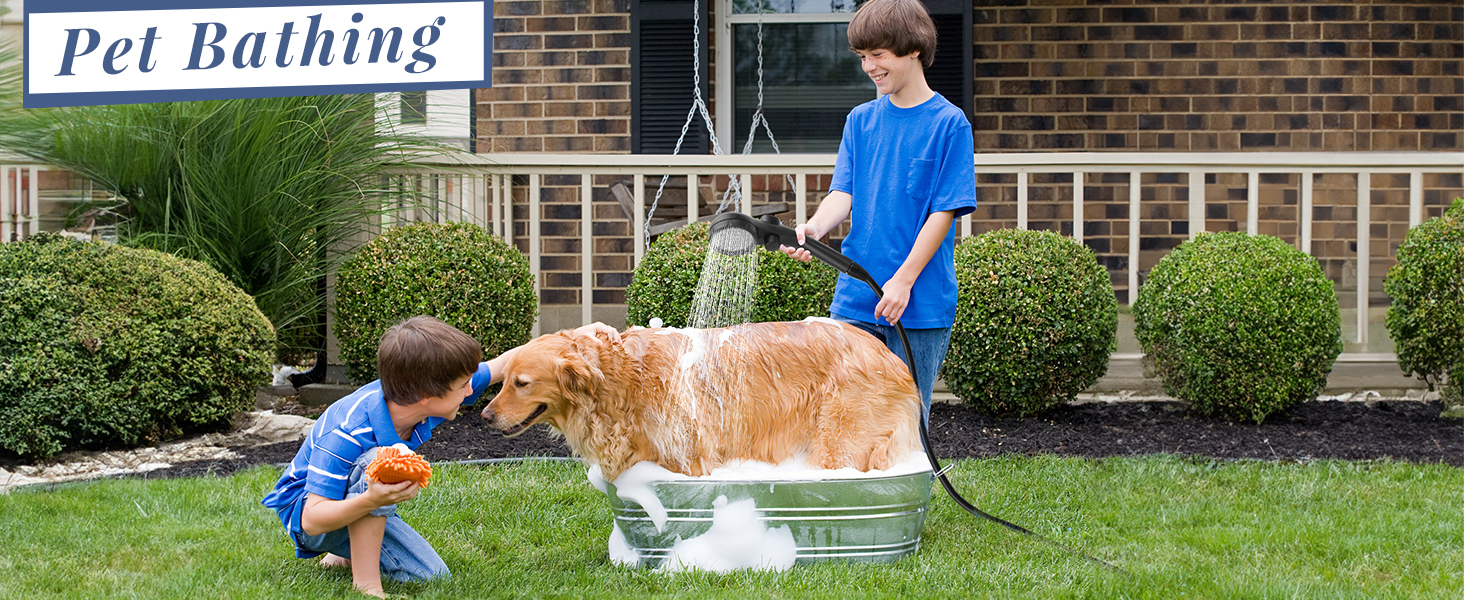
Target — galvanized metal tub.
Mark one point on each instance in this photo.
(875, 519)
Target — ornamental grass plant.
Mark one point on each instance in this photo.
(267, 191)
(1036, 320)
(1240, 326)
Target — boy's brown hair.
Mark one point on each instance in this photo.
(422, 357)
(900, 26)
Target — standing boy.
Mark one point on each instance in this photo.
(905, 172)
(428, 369)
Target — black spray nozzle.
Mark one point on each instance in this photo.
(735, 234)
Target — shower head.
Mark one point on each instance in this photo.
(735, 234)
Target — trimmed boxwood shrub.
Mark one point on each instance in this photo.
(1426, 319)
(457, 272)
(104, 346)
(1239, 326)
(665, 282)
(1035, 322)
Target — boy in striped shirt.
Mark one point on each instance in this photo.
(328, 506)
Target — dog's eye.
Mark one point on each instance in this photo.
(520, 383)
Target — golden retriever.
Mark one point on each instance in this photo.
(692, 399)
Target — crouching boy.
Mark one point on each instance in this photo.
(328, 506)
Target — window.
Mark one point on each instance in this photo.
(414, 108)
(810, 78)
(662, 57)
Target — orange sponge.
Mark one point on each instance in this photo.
(394, 466)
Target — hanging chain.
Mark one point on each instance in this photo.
(697, 105)
(757, 114)
(733, 194)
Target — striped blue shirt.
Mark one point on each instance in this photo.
(350, 427)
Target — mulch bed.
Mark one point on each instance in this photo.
(1405, 431)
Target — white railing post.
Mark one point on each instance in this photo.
(800, 198)
(1078, 206)
(508, 208)
(693, 196)
(1022, 200)
(638, 228)
(1196, 203)
(534, 251)
(7, 206)
(1364, 239)
(1252, 202)
(1307, 214)
(35, 202)
(587, 242)
(499, 184)
(1415, 199)
(1135, 180)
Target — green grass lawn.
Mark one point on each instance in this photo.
(1180, 527)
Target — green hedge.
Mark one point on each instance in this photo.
(1036, 321)
(456, 272)
(665, 282)
(102, 345)
(1239, 326)
(1426, 319)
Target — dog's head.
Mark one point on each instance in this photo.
(551, 379)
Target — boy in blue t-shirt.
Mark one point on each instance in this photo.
(905, 173)
(428, 370)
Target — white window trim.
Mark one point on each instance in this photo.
(723, 75)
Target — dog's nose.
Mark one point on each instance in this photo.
(488, 414)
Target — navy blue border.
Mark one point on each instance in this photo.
(30, 100)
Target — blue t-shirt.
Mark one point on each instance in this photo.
(901, 165)
(350, 427)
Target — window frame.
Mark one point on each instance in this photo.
(726, 19)
(724, 61)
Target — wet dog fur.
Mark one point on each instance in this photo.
(692, 399)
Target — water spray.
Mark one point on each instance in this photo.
(735, 234)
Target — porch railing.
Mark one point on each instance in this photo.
(20, 205)
(481, 188)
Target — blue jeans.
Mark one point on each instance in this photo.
(928, 345)
(405, 556)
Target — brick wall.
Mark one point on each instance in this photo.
(561, 78)
(1065, 76)
(1055, 75)
(1062, 75)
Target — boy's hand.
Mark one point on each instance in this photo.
(799, 253)
(592, 329)
(382, 494)
(896, 298)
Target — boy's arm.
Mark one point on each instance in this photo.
(322, 514)
(831, 211)
(897, 289)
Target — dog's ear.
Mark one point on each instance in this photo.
(579, 372)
